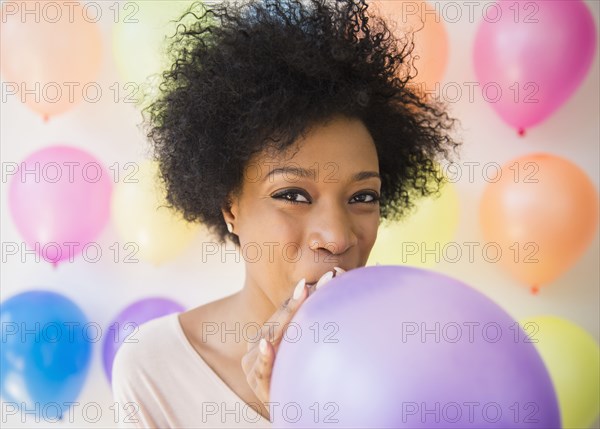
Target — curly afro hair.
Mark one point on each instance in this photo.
(259, 74)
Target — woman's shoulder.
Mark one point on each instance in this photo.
(148, 344)
(148, 331)
(169, 384)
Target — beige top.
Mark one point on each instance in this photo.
(169, 385)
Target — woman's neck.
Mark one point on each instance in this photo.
(238, 318)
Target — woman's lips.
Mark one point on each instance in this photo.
(335, 271)
(339, 271)
(313, 281)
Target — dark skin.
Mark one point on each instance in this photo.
(334, 224)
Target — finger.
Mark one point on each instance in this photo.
(273, 328)
(260, 376)
(249, 359)
(295, 305)
(339, 271)
(325, 278)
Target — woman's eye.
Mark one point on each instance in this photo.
(291, 197)
(367, 197)
(296, 197)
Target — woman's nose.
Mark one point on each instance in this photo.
(332, 230)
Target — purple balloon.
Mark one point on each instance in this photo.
(128, 321)
(401, 347)
(531, 56)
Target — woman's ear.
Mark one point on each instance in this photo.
(230, 209)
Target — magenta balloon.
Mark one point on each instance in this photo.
(59, 199)
(401, 347)
(531, 56)
(128, 321)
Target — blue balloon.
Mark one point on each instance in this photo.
(45, 352)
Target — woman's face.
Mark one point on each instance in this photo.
(302, 212)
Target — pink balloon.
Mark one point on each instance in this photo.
(59, 199)
(531, 56)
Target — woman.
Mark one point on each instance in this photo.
(289, 128)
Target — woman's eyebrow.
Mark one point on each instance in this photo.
(310, 174)
(363, 175)
(297, 171)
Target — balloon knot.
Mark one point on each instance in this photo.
(535, 289)
(521, 132)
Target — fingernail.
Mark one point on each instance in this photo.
(324, 279)
(339, 271)
(299, 288)
(262, 345)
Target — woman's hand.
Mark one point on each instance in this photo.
(257, 363)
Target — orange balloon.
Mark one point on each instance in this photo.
(50, 54)
(542, 213)
(430, 37)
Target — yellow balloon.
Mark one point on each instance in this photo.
(141, 217)
(572, 358)
(420, 239)
(140, 41)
